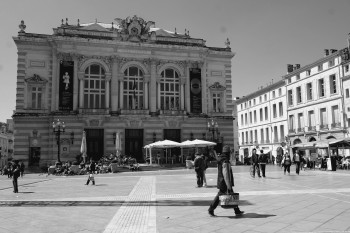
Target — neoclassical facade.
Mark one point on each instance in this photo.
(127, 78)
(262, 121)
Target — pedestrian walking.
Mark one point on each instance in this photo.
(286, 162)
(297, 160)
(199, 167)
(262, 162)
(205, 166)
(255, 163)
(225, 181)
(90, 178)
(21, 168)
(15, 174)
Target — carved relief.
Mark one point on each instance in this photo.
(134, 124)
(65, 56)
(36, 79)
(172, 124)
(217, 87)
(134, 29)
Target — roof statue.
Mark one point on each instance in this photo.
(134, 28)
(22, 26)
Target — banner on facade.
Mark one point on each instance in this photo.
(66, 85)
(196, 90)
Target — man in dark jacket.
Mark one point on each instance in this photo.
(262, 162)
(225, 181)
(199, 168)
(255, 162)
(16, 173)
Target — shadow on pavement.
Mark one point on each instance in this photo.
(111, 203)
(254, 215)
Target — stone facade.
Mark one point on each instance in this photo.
(128, 77)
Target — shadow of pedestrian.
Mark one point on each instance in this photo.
(26, 192)
(253, 215)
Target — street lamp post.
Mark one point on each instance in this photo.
(58, 128)
(213, 127)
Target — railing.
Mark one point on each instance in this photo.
(134, 112)
(94, 110)
(324, 126)
(335, 125)
(311, 128)
(173, 112)
(300, 130)
(291, 130)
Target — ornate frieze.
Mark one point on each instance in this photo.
(108, 60)
(36, 79)
(217, 87)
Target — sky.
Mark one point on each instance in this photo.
(265, 35)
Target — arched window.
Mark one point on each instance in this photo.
(94, 87)
(133, 88)
(169, 90)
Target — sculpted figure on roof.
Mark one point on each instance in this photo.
(134, 28)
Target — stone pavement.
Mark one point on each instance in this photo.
(167, 201)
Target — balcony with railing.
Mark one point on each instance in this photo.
(174, 112)
(311, 128)
(336, 125)
(291, 131)
(134, 112)
(94, 111)
(324, 127)
(300, 130)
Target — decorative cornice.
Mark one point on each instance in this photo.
(217, 87)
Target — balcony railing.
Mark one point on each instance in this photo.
(134, 112)
(291, 130)
(173, 112)
(96, 111)
(335, 125)
(300, 130)
(311, 128)
(324, 127)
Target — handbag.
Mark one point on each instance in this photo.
(229, 200)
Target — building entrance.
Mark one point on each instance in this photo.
(34, 156)
(94, 144)
(134, 143)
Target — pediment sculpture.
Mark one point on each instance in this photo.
(135, 28)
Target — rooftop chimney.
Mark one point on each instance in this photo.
(297, 66)
(326, 52)
(289, 68)
(333, 50)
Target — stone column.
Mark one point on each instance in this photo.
(81, 89)
(55, 74)
(121, 90)
(153, 87)
(203, 87)
(75, 83)
(107, 96)
(114, 85)
(182, 93)
(158, 92)
(146, 80)
(187, 86)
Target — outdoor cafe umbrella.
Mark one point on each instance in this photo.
(197, 143)
(83, 149)
(164, 145)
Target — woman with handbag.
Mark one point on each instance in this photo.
(225, 181)
(287, 162)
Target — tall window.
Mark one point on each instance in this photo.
(246, 118)
(273, 94)
(323, 118)
(291, 122)
(281, 132)
(279, 91)
(246, 136)
(254, 116)
(267, 135)
(260, 99)
(242, 138)
(321, 88)
(94, 87)
(335, 114)
(309, 91)
(333, 84)
(250, 118)
(254, 102)
(216, 102)
(300, 122)
(275, 134)
(265, 97)
(133, 88)
(242, 122)
(280, 107)
(320, 67)
(266, 114)
(290, 97)
(347, 93)
(251, 136)
(261, 114)
(299, 99)
(274, 110)
(256, 135)
(311, 119)
(262, 135)
(170, 90)
(36, 97)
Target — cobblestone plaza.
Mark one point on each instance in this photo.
(167, 201)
